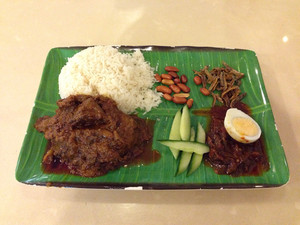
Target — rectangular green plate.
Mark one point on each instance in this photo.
(160, 175)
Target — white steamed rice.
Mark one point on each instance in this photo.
(126, 78)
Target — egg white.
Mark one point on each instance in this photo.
(234, 113)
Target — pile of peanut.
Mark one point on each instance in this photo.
(174, 83)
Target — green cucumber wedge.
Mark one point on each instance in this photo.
(186, 156)
(187, 146)
(184, 162)
(197, 158)
(200, 134)
(185, 124)
(175, 132)
(195, 163)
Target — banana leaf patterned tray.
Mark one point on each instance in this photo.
(160, 175)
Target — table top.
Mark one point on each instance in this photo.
(29, 29)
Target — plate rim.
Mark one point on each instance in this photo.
(154, 186)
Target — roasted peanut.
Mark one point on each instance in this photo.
(175, 88)
(173, 74)
(164, 89)
(168, 97)
(204, 91)
(176, 81)
(190, 103)
(179, 100)
(167, 82)
(184, 88)
(183, 79)
(171, 68)
(166, 76)
(197, 80)
(157, 77)
(184, 95)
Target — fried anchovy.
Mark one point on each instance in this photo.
(203, 78)
(225, 80)
(237, 99)
(210, 78)
(235, 72)
(228, 90)
(214, 99)
(214, 84)
(236, 93)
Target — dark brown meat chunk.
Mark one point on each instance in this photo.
(92, 136)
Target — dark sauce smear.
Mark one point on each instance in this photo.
(56, 166)
(228, 156)
(147, 157)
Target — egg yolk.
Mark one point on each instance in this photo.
(244, 126)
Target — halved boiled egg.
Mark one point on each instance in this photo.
(241, 127)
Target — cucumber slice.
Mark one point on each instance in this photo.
(187, 146)
(193, 134)
(195, 163)
(185, 124)
(184, 162)
(175, 132)
(200, 134)
(197, 158)
(186, 156)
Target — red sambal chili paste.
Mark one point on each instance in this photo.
(228, 156)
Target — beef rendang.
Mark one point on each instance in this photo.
(91, 136)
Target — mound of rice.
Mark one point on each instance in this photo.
(126, 78)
